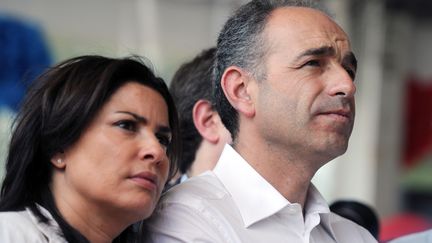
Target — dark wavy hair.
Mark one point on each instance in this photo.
(58, 107)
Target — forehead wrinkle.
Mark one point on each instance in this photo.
(327, 33)
(330, 40)
(318, 51)
(323, 51)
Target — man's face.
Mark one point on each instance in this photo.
(305, 104)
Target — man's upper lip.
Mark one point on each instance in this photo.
(146, 175)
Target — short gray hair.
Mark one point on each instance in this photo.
(241, 44)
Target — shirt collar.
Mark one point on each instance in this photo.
(255, 198)
(316, 204)
(236, 174)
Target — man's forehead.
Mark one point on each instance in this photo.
(300, 14)
(306, 28)
(302, 19)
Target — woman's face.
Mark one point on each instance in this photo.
(120, 165)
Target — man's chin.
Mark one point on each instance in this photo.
(333, 149)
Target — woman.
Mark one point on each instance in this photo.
(93, 145)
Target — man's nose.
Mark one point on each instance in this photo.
(341, 83)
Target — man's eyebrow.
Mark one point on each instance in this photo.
(320, 51)
(350, 59)
(161, 128)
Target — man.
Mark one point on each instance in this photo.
(284, 77)
(203, 134)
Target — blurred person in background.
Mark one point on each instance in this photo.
(202, 132)
(93, 145)
(24, 54)
(420, 237)
(359, 213)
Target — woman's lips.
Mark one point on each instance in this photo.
(146, 180)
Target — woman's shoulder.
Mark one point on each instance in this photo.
(18, 226)
(24, 226)
(19, 218)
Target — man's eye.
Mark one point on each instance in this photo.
(127, 125)
(313, 63)
(351, 73)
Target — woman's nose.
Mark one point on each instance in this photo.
(151, 150)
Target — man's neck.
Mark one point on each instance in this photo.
(290, 176)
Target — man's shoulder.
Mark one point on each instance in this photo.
(339, 221)
(346, 229)
(201, 198)
(190, 211)
(203, 187)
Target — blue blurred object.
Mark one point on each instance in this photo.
(23, 56)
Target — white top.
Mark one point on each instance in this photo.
(421, 237)
(236, 204)
(24, 226)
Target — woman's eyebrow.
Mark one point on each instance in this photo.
(136, 116)
(141, 119)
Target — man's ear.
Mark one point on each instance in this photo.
(205, 120)
(237, 86)
(58, 161)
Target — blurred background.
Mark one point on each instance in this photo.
(388, 165)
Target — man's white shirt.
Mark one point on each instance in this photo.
(233, 203)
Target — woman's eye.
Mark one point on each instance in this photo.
(164, 140)
(127, 125)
